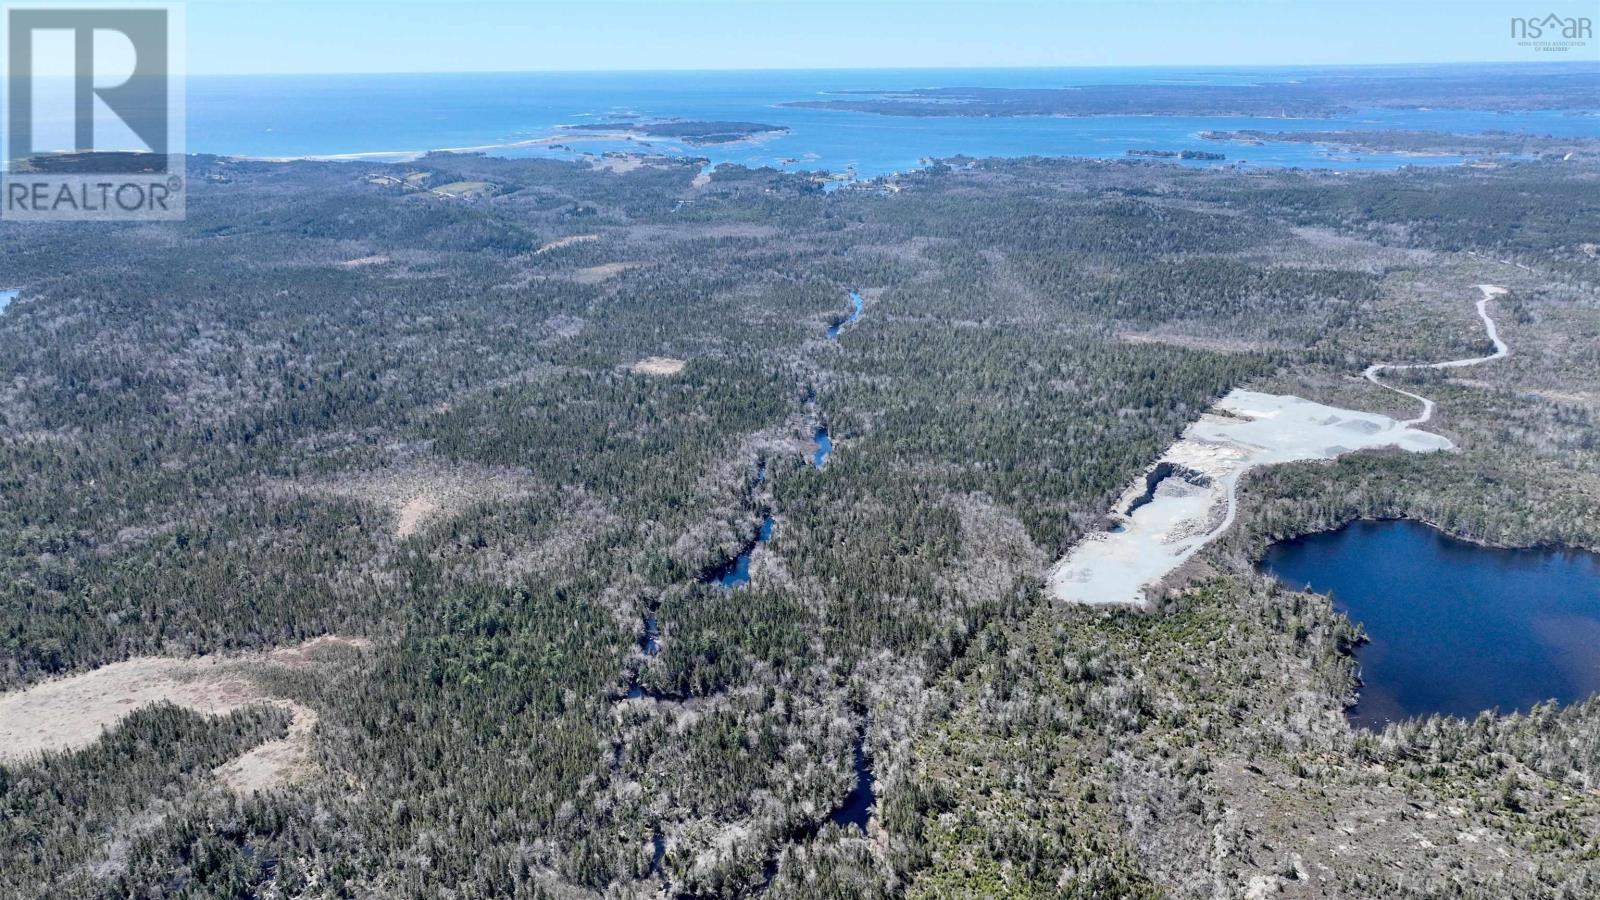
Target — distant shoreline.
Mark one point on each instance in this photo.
(1210, 68)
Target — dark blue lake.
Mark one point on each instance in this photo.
(1456, 627)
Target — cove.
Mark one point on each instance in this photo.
(1455, 628)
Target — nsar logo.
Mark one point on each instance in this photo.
(1552, 33)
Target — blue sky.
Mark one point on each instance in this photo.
(327, 36)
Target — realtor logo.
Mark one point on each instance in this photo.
(1552, 33)
(93, 113)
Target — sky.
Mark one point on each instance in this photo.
(350, 36)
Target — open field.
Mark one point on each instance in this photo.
(658, 365)
(71, 713)
(419, 495)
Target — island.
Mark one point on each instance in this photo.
(1178, 154)
(690, 132)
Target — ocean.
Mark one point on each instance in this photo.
(402, 116)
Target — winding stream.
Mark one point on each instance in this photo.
(737, 571)
(854, 317)
(822, 437)
(855, 811)
(649, 645)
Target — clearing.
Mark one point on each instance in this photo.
(558, 243)
(415, 511)
(603, 272)
(464, 190)
(73, 712)
(422, 494)
(658, 365)
(1189, 497)
(619, 163)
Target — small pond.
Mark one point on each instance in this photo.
(737, 572)
(1455, 627)
(856, 810)
(6, 296)
(824, 442)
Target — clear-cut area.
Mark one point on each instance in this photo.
(1188, 498)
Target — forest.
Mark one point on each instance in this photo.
(332, 402)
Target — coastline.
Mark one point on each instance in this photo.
(550, 140)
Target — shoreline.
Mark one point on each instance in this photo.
(684, 149)
(557, 139)
(1255, 548)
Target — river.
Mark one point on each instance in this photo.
(856, 810)
(856, 306)
(736, 573)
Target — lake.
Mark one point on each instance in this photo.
(1455, 627)
(287, 116)
(6, 297)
